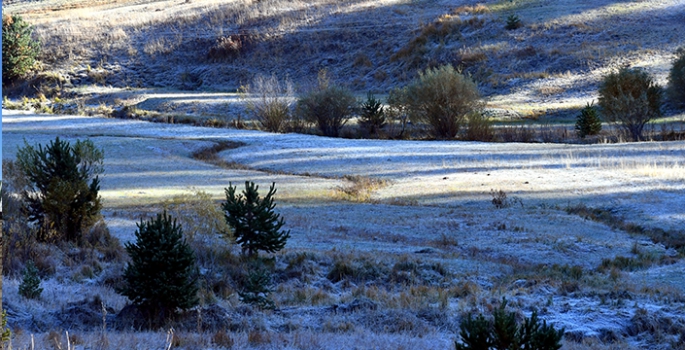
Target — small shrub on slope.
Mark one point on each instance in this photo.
(502, 333)
(255, 225)
(30, 283)
(513, 22)
(19, 51)
(61, 191)
(676, 79)
(162, 276)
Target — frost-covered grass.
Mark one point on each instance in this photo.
(429, 242)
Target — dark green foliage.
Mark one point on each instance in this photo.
(504, 334)
(504, 329)
(513, 22)
(676, 79)
(19, 51)
(162, 275)
(588, 122)
(58, 195)
(257, 289)
(328, 106)
(255, 225)
(475, 334)
(30, 283)
(630, 98)
(372, 116)
(442, 98)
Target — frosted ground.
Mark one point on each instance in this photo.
(434, 191)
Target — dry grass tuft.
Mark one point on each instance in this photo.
(360, 188)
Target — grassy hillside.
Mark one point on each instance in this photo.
(555, 58)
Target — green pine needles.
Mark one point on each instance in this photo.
(588, 122)
(162, 275)
(63, 185)
(676, 79)
(19, 51)
(372, 115)
(503, 333)
(30, 283)
(255, 225)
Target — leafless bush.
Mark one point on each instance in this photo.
(479, 128)
(272, 103)
(226, 47)
(520, 133)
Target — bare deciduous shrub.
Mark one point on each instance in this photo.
(516, 133)
(479, 128)
(499, 199)
(676, 79)
(226, 47)
(630, 98)
(398, 110)
(198, 214)
(441, 98)
(328, 106)
(360, 189)
(270, 102)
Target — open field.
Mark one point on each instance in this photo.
(393, 242)
(433, 208)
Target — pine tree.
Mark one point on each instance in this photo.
(255, 225)
(588, 122)
(162, 275)
(372, 115)
(30, 284)
(59, 197)
(19, 51)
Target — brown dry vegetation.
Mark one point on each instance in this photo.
(362, 271)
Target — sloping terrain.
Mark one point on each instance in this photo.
(434, 205)
(554, 61)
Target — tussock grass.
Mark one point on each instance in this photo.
(359, 189)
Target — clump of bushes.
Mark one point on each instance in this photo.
(19, 50)
(442, 98)
(588, 122)
(630, 98)
(328, 106)
(676, 79)
(162, 275)
(503, 332)
(271, 104)
(61, 188)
